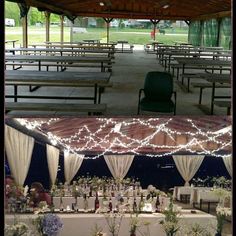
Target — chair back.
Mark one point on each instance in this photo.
(158, 86)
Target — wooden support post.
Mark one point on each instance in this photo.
(47, 17)
(188, 23)
(62, 28)
(218, 31)
(108, 21)
(201, 32)
(25, 31)
(154, 22)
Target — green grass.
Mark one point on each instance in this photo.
(141, 36)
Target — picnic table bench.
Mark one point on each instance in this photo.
(55, 79)
(200, 63)
(214, 81)
(58, 61)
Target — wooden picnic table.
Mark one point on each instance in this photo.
(61, 51)
(64, 60)
(182, 43)
(186, 54)
(200, 63)
(75, 46)
(12, 41)
(123, 43)
(55, 79)
(81, 43)
(216, 78)
(91, 40)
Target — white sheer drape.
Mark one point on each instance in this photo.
(72, 163)
(228, 164)
(19, 149)
(119, 164)
(188, 165)
(53, 160)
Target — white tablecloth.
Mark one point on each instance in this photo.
(82, 224)
(204, 194)
(179, 190)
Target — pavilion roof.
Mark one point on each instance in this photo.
(206, 134)
(136, 9)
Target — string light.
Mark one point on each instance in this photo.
(93, 140)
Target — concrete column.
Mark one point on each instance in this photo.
(62, 28)
(47, 17)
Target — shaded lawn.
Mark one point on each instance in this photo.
(141, 36)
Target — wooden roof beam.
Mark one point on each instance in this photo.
(214, 15)
(48, 7)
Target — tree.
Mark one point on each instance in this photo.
(12, 11)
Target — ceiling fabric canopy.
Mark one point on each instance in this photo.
(136, 9)
(149, 136)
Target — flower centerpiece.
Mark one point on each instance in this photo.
(114, 222)
(17, 229)
(170, 223)
(49, 224)
(221, 214)
(197, 230)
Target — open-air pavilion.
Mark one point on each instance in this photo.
(57, 155)
(198, 93)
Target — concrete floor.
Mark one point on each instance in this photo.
(128, 75)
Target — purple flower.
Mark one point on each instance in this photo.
(51, 224)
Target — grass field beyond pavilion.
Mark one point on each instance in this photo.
(134, 36)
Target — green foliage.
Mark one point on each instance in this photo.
(170, 223)
(12, 11)
(35, 16)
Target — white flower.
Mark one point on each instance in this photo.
(223, 210)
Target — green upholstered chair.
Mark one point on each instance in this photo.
(158, 91)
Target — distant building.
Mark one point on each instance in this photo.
(9, 22)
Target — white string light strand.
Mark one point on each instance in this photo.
(93, 140)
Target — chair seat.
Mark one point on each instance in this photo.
(156, 106)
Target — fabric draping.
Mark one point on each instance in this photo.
(72, 163)
(53, 160)
(228, 164)
(119, 164)
(188, 165)
(19, 149)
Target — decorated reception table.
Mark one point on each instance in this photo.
(82, 224)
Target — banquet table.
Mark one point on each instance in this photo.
(82, 224)
(203, 194)
(181, 190)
